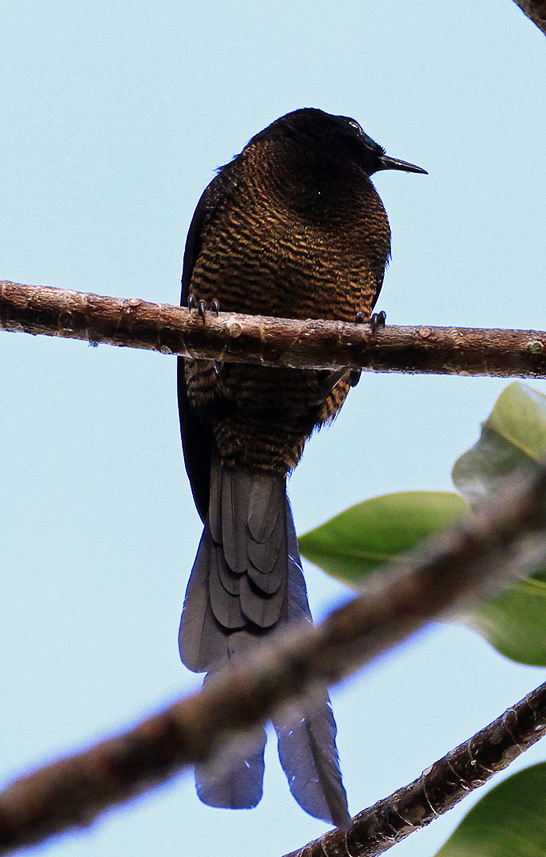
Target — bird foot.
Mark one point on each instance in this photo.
(201, 306)
(354, 377)
(378, 319)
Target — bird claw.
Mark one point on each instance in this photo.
(354, 377)
(200, 305)
(378, 319)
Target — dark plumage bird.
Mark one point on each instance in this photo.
(292, 227)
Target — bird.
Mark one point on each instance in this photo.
(292, 227)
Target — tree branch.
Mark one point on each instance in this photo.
(505, 540)
(535, 10)
(270, 341)
(440, 787)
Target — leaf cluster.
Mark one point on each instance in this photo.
(510, 819)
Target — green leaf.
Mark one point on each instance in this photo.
(364, 537)
(509, 821)
(515, 622)
(367, 535)
(513, 435)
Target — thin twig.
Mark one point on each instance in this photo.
(491, 547)
(271, 341)
(440, 787)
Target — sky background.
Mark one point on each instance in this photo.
(114, 117)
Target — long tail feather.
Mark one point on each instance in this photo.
(309, 759)
(234, 779)
(307, 735)
(246, 581)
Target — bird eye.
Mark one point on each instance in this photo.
(355, 125)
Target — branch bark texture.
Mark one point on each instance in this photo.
(440, 787)
(535, 10)
(504, 540)
(270, 341)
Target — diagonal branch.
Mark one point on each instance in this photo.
(496, 544)
(440, 787)
(270, 341)
(535, 10)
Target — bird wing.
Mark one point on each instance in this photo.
(197, 441)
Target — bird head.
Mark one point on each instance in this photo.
(321, 132)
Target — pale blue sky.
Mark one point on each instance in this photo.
(113, 120)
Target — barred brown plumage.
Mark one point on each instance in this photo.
(292, 227)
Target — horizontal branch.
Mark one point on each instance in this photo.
(504, 540)
(271, 341)
(443, 785)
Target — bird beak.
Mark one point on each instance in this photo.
(387, 163)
